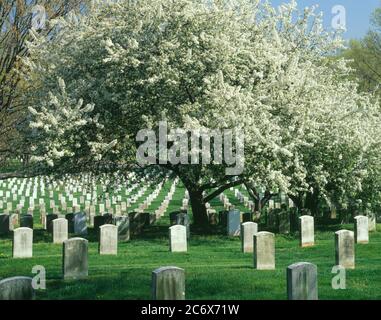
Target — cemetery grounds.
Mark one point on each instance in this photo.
(215, 268)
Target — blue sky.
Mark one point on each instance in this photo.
(357, 13)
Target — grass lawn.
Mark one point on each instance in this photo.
(214, 265)
(215, 268)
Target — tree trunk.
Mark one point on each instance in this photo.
(200, 216)
(312, 201)
(297, 200)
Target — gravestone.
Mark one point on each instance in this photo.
(98, 222)
(60, 230)
(13, 221)
(75, 258)
(284, 223)
(4, 223)
(43, 219)
(223, 218)
(16, 288)
(26, 221)
(302, 281)
(361, 229)
(307, 231)
(70, 222)
(138, 220)
(345, 249)
(23, 243)
(271, 219)
(248, 230)
(372, 222)
(178, 238)
(91, 216)
(234, 223)
(333, 213)
(80, 224)
(49, 222)
(183, 219)
(108, 243)
(168, 283)
(108, 218)
(123, 224)
(247, 217)
(151, 218)
(212, 215)
(264, 251)
(173, 216)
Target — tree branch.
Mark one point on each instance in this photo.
(222, 189)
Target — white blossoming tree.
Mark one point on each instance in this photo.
(204, 64)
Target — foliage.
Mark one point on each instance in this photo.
(365, 56)
(17, 18)
(200, 65)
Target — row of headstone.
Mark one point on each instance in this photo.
(264, 248)
(70, 184)
(185, 201)
(159, 212)
(225, 201)
(168, 283)
(249, 229)
(263, 245)
(147, 202)
(86, 199)
(23, 238)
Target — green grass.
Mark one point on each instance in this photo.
(215, 268)
(214, 265)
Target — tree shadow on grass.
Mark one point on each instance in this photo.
(152, 232)
(6, 236)
(329, 227)
(243, 267)
(161, 231)
(41, 235)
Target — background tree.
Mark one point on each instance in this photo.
(365, 55)
(17, 17)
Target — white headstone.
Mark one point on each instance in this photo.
(60, 230)
(23, 243)
(345, 249)
(361, 229)
(264, 251)
(108, 243)
(178, 238)
(307, 231)
(234, 223)
(248, 230)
